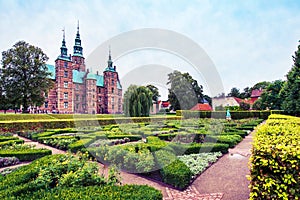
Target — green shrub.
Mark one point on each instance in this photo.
(176, 174)
(25, 155)
(274, 169)
(11, 142)
(131, 137)
(193, 148)
(7, 138)
(130, 192)
(57, 171)
(231, 140)
(80, 145)
(164, 158)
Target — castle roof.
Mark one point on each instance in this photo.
(51, 69)
(78, 76)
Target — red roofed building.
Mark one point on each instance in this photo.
(202, 107)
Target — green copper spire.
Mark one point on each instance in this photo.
(109, 62)
(77, 46)
(63, 48)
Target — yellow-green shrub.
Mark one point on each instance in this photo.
(275, 161)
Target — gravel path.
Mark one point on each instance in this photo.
(228, 175)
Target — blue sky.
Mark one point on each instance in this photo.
(248, 41)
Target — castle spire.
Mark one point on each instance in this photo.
(63, 48)
(109, 62)
(77, 46)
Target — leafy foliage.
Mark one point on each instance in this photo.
(57, 171)
(154, 91)
(184, 91)
(271, 98)
(137, 101)
(291, 92)
(275, 172)
(24, 76)
(199, 162)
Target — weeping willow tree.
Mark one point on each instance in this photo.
(137, 101)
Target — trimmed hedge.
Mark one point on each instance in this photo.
(130, 192)
(71, 123)
(131, 137)
(80, 145)
(26, 155)
(11, 142)
(275, 160)
(6, 138)
(222, 114)
(231, 140)
(192, 148)
(176, 174)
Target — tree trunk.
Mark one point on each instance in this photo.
(25, 106)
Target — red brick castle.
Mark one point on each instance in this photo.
(77, 90)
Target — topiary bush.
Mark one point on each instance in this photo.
(176, 174)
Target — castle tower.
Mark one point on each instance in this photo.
(77, 58)
(64, 84)
(111, 81)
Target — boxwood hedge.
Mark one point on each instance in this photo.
(275, 160)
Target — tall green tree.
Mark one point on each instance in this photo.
(137, 101)
(291, 91)
(155, 92)
(246, 93)
(184, 91)
(271, 98)
(261, 85)
(25, 73)
(234, 92)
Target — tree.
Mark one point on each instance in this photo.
(184, 91)
(271, 97)
(234, 92)
(244, 106)
(291, 103)
(260, 85)
(246, 94)
(155, 92)
(257, 105)
(25, 74)
(208, 99)
(137, 101)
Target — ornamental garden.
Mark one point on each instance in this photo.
(173, 150)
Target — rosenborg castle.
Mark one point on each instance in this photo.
(76, 90)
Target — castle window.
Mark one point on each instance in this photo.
(112, 99)
(66, 104)
(113, 107)
(66, 74)
(66, 64)
(77, 106)
(65, 84)
(112, 81)
(112, 75)
(100, 98)
(65, 95)
(99, 90)
(77, 97)
(112, 90)
(46, 104)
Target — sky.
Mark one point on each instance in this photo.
(248, 41)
